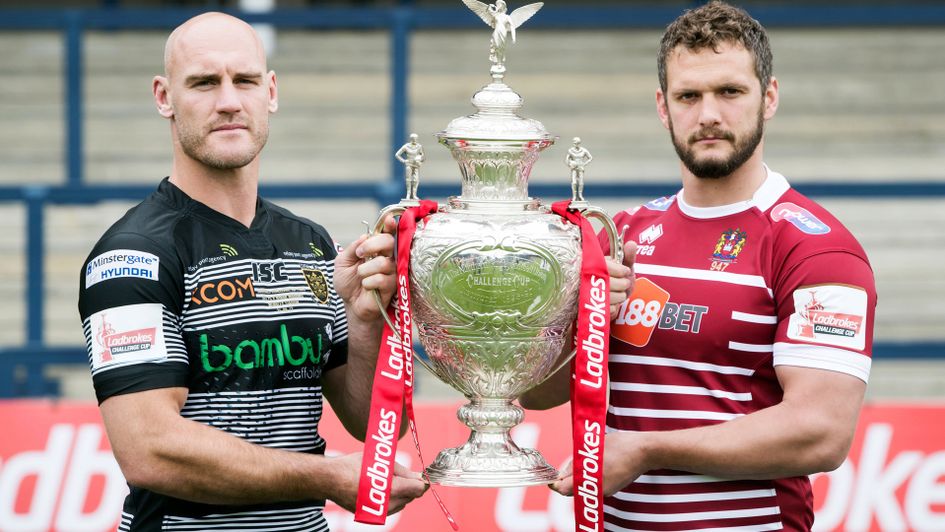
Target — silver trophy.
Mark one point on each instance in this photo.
(494, 274)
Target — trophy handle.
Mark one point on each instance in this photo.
(616, 252)
(392, 210)
(616, 239)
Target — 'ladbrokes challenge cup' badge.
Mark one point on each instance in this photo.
(125, 335)
(317, 283)
(830, 314)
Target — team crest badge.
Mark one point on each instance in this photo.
(730, 244)
(316, 283)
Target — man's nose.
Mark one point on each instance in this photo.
(709, 111)
(228, 100)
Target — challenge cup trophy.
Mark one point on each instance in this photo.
(494, 275)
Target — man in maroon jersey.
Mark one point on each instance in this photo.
(739, 362)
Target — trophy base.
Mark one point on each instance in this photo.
(505, 467)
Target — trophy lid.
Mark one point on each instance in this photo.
(496, 118)
(497, 103)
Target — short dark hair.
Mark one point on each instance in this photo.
(711, 25)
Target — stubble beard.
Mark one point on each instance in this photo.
(712, 168)
(196, 146)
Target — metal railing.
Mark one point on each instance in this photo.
(21, 366)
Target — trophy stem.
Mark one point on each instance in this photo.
(490, 458)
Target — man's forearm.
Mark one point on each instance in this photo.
(163, 452)
(223, 469)
(809, 431)
(770, 443)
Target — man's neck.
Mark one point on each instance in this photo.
(738, 186)
(230, 192)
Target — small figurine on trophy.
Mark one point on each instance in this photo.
(503, 23)
(578, 157)
(411, 155)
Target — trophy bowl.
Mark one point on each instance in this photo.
(494, 290)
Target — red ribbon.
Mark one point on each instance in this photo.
(393, 389)
(589, 376)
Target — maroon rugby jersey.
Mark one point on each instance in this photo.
(723, 295)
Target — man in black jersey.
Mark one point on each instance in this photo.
(216, 321)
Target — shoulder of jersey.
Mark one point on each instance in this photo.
(653, 207)
(150, 223)
(801, 223)
(795, 214)
(291, 217)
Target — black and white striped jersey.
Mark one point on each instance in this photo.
(176, 294)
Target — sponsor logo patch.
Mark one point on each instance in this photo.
(648, 309)
(229, 250)
(269, 272)
(640, 314)
(128, 334)
(206, 261)
(223, 291)
(650, 234)
(829, 314)
(271, 280)
(286, 350)
(660, 204)
(800, 218)
(121, 263)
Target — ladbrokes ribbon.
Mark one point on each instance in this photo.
(589, 380)
(393, 388)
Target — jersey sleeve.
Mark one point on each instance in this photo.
(130, 299)
(826, 312)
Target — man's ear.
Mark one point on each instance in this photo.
(273, 92)
(661, 109)
(161, 97)
(771, 98)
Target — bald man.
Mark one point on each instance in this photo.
(216, 321)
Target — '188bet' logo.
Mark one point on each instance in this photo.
(639, 315)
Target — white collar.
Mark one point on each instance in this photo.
(773, 187)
